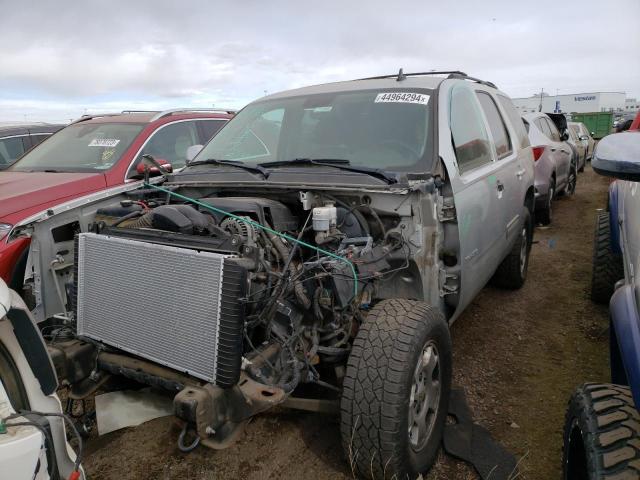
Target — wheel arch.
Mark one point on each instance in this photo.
(625, 323)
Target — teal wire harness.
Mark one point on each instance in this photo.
(262, 227)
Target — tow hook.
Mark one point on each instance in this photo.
(187, 448)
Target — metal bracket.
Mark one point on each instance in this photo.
(446, 209)
(448, 283)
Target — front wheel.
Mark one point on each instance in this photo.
(601, 434)
(396, 390)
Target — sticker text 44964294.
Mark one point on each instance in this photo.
(402, 97)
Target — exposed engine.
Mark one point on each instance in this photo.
(307, 259)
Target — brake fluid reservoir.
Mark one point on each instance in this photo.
(324, 218)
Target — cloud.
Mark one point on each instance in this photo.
(63, 58)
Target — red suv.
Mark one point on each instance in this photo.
(94, 153)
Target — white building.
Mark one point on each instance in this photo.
(575, 102)
(631, 105)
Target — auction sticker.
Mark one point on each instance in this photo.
(402, 97)
(104, 142)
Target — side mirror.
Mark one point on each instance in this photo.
(583, 137)
(154, 171)
(192, 151)
(618, 156)
(564, 137)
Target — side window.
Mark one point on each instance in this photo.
(10, 150)
(543, 126)
(259, 140)
(171, 142)
(468, 134)
(555, 135)
(38, 138)
(208, 128)
(496, 124)
(516, 120)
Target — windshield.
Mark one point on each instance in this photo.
(84, 147)
(388, 130)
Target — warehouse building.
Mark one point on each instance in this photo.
(576, 102)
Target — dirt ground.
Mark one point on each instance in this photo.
(518, 356)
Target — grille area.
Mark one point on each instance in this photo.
(162, 303)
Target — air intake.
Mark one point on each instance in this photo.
(174, 306)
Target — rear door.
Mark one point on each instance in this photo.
(478, 186)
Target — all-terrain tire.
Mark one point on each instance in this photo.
(544, 216)
(378, 390)
(601, 434)
(607, 266)
(512, 272)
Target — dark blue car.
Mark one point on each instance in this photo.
(602, 428)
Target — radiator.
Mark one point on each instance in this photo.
(177, 307)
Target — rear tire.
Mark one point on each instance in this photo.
(396, 390)
(572, 181)
(601, 434)
(544, 216)
(512, 272)
(607, 266)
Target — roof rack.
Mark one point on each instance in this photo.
(158, 114)
(173, 111)
(450, 74)
(86, 116)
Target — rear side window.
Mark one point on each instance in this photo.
(543, 126)
(555, 135)
(516, 120)
(468, 134)
(496, 124)
(10, 150)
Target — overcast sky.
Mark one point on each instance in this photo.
(60, 59)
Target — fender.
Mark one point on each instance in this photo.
(625, 320)
(614, 227)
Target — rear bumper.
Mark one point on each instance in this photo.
(626, 322)
(9, 255)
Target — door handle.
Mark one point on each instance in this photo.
(499, 186)
(553, 149)
(564, 151)
(520, 173)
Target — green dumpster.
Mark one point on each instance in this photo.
(600, 123)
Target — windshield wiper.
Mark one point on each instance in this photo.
(340, 163)
(232, 163)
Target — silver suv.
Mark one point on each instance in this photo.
(312, 255)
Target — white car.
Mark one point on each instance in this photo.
(585, 136)
(33, 444)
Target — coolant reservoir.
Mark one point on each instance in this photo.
(324, 218)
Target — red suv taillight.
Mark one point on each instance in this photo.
(537, 153)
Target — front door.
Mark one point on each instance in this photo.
(478, 186)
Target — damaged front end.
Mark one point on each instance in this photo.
(234, 304)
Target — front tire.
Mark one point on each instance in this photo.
(607, 267)
(396, 390)
(601, 434)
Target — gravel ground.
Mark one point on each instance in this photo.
(518, 356)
